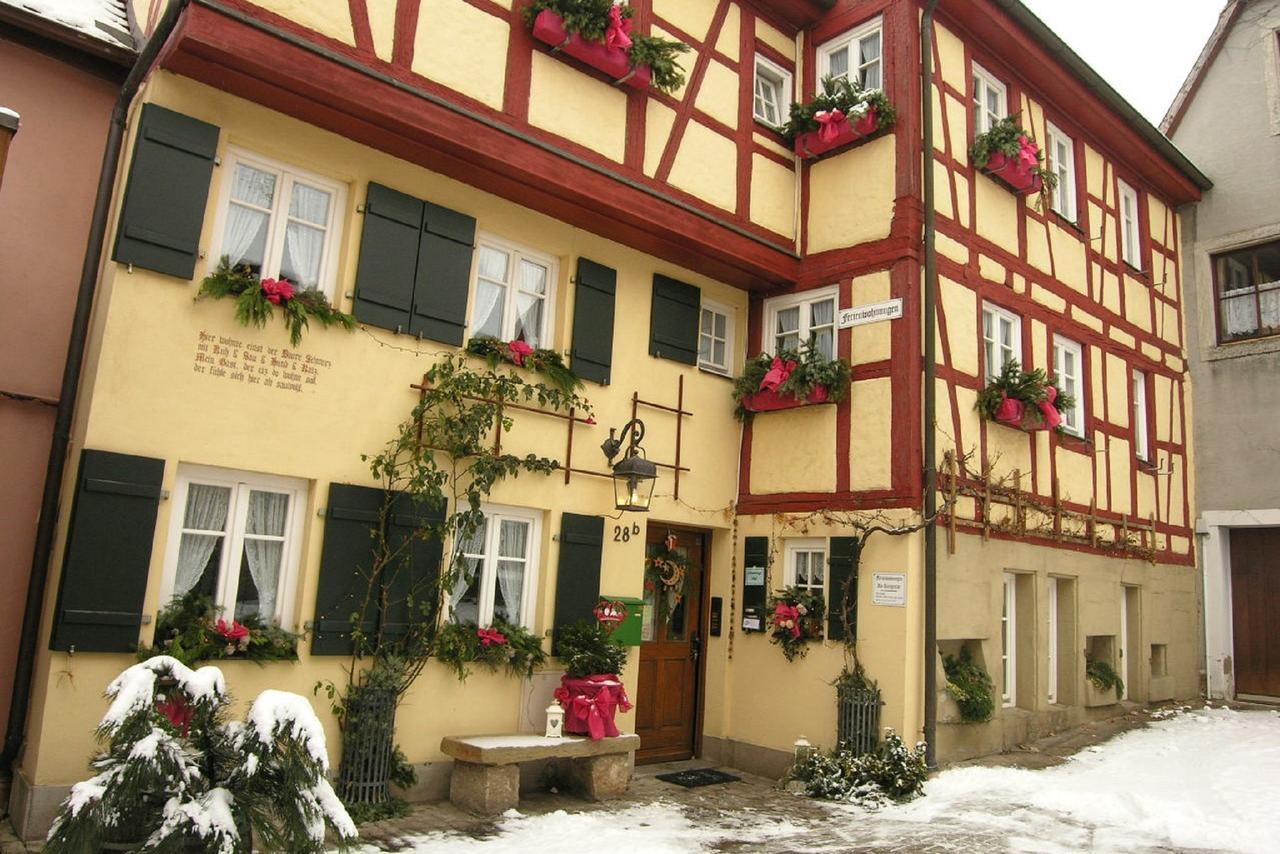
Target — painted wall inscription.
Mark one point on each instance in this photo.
(256, 364)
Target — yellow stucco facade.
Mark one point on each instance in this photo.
(1080, 509)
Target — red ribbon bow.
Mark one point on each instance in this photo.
(277, 290)
(777, 374)
(233, 632)
(1052, 417)
(787, 617)
(587, 702)
(829, 124)
(617, 34)
(519, 350)
(1028, 152)
(178, 712)
(491, 637)
(1009, 411)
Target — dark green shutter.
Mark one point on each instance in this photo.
(345, 561)
(444, 275)
(673, 326)
(108, 553)
(593, 300)
(168, 190)
(755, 596)
(411, 585)
(843, 576)
(578, 573)
(414, 273)
(388, 262)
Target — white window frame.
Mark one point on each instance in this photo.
(286, 174)
(707, 364)
(1073, 418)
(803, 299)
(1062, 162)
(851, 39)
(1130, 234)
(783, 81)
(1009, 640)
(983, 82)
(1141, 431)
(240, 483)
(488, 574)
(515, 252)
(991, 345)
(1052, 694)
(807, 545)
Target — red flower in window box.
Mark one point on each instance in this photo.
(608, 56)
(277, 290)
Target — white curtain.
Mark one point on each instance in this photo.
(529, 319)
(243, 229)
(512, 539)
(1240, 314)
(304, 244)
(487, 318)
(467, 608)
(1270, 300)
(822, 325)
(206, 511)
(268, 512)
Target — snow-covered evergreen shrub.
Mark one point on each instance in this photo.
(893, 772)
(175, 773)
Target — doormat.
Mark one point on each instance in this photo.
(699, 777)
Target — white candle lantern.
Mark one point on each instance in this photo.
(555, 719)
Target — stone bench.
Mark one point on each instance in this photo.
(486, 773)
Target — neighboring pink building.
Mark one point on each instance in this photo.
(61, 67)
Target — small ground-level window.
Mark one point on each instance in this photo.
(1008, 640)
(498, 574)
(806, 565)
(235, 537)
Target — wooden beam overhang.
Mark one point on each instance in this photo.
(257, 60)
(800, 14)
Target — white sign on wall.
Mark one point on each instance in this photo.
(889, 588)
(871, 313)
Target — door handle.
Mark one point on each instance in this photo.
(695, 646)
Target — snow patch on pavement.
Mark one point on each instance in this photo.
(656, 828)
(1203, 780)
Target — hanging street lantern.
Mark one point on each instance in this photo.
(633, 476)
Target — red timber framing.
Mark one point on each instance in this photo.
(252, 53)
(263, 57)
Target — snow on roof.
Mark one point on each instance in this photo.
(104, 20)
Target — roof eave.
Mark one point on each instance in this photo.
(41, 26)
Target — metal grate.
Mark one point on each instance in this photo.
(368, 742)
(858, 718)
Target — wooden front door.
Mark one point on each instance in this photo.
(671, 647)
(1255, 602)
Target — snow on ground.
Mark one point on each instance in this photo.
(1207, 780)
(657, 828)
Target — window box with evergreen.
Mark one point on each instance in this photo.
(790, 380)
(1024, 400)
(842, 114)
(1010, 155)
(598, 33)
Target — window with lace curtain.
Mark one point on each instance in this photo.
(499, 569)
(806, 317)
(279, 221)
(1248, 286)
(234, 536)
(855, 55)
(512, 293)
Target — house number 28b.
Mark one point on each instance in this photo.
(624, 533)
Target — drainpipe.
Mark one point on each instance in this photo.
(54, 470)
(930, 396)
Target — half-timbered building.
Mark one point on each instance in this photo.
(438, 172)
